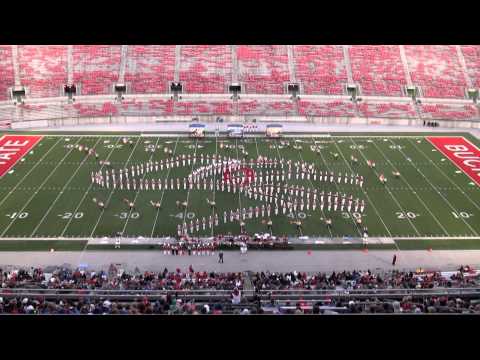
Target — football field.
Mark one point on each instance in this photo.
(48, 193)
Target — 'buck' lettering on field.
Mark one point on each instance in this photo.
(461, 152)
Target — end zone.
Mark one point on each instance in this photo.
(461, 152)
(13, 148)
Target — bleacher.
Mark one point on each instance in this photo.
(149, 69)
(448, 111)
(378, 69)
(205, 69)
(437, 70)
(320, 69)
(266, 107)
(330, 108)
(82, 291)
(471, 54)
(263, 69)
(380, 109)
(43, 69)
(96, 68)
(6, 71)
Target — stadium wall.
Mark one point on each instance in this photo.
(315, 109)
(52, 123)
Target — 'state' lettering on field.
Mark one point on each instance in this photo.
(461, 152)
(13, 148)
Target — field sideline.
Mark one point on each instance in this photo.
(48, 193)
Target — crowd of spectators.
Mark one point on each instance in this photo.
(171, 304)
(352, 280)
(63, 278)
(262, 300)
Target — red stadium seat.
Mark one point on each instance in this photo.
(321, 69)
(437, 70)
(378, 69)
(6, 71)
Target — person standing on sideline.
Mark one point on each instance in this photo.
(394, 261)
(220, 257)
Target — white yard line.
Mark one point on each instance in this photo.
(138, 190)
(449, 179)
(411, 189)
(87, 191)
(338, 189)
(279, 156)
(61, 192)
(214, 179)
(365, 193)
(313, 186)
(239, 192)
(388, 190)
(28, 173)
(112, 191)
(438, 192)
(41, 185)
(163, 191)
(188, 192)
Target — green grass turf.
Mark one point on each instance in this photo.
(429, 190)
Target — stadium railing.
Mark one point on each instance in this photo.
(213, 294)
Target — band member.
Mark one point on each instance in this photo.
(130, 204)
(382, 179)
(100, 204)
(156, 204)
(328, 222)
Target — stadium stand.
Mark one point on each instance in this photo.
(471, 54)
(149, 69)
(320, 69)
(331, 108)
(205, 68)
(448, 111)
(372, 109)
(378, 69)
(266, 107)
(43, 69)
(96, 68)
(263, 69)
(80, 291)
(203, 107)
(6, 71)
(437, 70)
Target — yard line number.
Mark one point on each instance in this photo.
(124, 215)
(188, 215)
(69, 215)
(16, 215)
(406, 215)
(461, 214)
